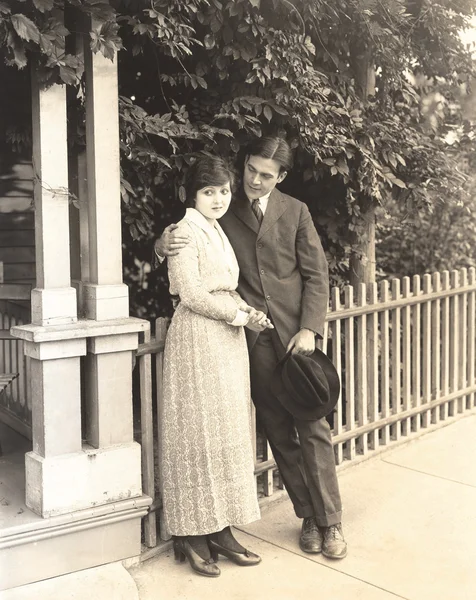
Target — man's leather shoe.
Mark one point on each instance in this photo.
(311, 538)
(334, 544)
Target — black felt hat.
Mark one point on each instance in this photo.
(311, 385)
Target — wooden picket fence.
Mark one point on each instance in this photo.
(406, 354)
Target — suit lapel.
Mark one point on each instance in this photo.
(276, 207)
(241, 207)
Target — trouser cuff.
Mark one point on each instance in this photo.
(328, 520)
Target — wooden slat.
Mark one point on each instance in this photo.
(17, 399)
(396, 359)
(337, 360)
(356, 311)
(19, 254)
(161, 326)
(349, 372)
(23, 220)
(385, 363)
(325, 338)
(471, 336)
(454, 340)
(13, 239)
(463, 337)
(445, 344)
(268, 487)
(406, 355)
(372, 364)
(15, 291)
(436, 318)
(392, 419)
(426, 350)
(416, 352)
(253, 436)
(2, 274)
(147, 441)
(361, 387)
(19, 271)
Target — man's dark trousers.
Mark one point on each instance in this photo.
(307, 464)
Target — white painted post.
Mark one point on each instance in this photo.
(361, 397)
(53, 301)
(55, 365)
(106, 295)
(396, 359)
(337, 360)
(108, 372)
(349, 372)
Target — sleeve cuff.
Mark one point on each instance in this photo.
(160, 258)
(318, 335)
(240, 320)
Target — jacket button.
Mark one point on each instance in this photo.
(268, 297)
(260, 245)
(262, 271)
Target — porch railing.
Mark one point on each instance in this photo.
(15, 400)
(406, 354)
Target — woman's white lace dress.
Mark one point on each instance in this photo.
(206, 458)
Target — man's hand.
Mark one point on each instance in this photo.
(258, 321)
(172, 240)
(304, 342)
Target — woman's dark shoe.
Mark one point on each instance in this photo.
(183, 549)
(243, 559)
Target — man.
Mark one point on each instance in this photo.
(284, 274)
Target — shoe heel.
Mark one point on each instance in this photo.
(178, 554)
(214, 555)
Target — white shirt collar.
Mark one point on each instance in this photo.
(195, 216)
(263, 202)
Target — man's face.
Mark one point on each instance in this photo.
(261, 176)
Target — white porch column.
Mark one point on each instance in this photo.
(53, 301)
(109, 359)
(55, 366)
(106, 295)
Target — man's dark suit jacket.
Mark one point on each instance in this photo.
(283, 268)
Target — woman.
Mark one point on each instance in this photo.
(206, 451)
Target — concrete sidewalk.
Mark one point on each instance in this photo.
(410, 521)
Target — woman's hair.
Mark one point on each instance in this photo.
(273, 147)
(207, 170)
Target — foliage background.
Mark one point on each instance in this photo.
(215, 73)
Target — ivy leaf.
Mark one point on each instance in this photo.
(255, 3)
(399, 183)
(68, 75)
(209, 41)
(25, 28)
(43, 5)
(4, 9)
(268, 113)
(182, 194)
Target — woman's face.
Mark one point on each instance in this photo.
(213, 201)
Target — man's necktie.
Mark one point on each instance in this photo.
(257, 210)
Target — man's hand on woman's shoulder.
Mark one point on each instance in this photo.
(172, 240)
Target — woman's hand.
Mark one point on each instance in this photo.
(257, 320)
(172, 240)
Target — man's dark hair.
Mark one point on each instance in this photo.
(273, 147)
(207, 170)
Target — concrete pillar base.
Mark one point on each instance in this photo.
(53, 306)
(104, 302)
(63, 484)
